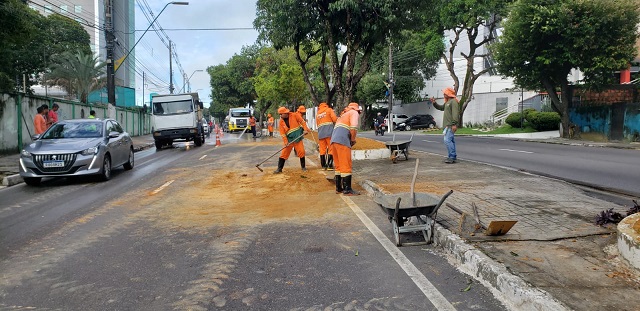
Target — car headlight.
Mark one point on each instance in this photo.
(90, 151)
(25, 153)
(401, 124)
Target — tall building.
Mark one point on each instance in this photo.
(90, 14)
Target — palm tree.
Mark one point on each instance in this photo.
(78, 73)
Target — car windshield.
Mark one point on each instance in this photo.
(74, 130)
(240, 113)
(176, 107)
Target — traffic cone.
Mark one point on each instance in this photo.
(218, 140)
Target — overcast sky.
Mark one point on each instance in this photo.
(196, 49)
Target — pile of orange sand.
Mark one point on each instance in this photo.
(362, 143)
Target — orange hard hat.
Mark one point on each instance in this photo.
(302, 109)
(283, 110)
(355, 107)
(269, 115)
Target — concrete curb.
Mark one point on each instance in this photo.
(513, 291)
(12, 180)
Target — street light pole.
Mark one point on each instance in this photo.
(108, 4)
(189, 79)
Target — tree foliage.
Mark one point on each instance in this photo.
(78, 73)
(342, 33)
(472, 22)
(29, 41)
(544, 40)
(231, 83)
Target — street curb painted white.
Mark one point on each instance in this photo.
(510, 289)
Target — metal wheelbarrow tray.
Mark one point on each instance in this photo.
(400, 147)
(400, 207)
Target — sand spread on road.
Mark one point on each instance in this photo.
(248, 198)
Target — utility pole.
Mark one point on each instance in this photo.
(108, 33)
(170, 69)
(390, 125)
(184, 80)
(143, 89)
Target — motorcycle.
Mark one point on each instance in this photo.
(380, 128)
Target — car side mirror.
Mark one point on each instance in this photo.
(35, 137)
(114, 134)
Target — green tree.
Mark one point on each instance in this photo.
(16, 30)
(544, 40)
(474, 22)
(343, 33)
(78, 73)
(279, 79)
(231, 83)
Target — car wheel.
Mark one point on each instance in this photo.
(106, 168)
(32, 181)
(159, 144)
(407, 127)
(129, 165)
(198, 140)
(431, 125)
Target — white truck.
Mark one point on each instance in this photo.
(238, 119)
(177, 117)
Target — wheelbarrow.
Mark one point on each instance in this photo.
(401, 207)
(399, 148)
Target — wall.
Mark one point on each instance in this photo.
(16, 129)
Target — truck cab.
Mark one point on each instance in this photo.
(177, 117)
(238, 119)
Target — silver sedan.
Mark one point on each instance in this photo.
(77, 147)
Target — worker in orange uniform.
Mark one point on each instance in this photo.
(270, 124)
(342, 139)
(303, 112)
(252, 124)
(292, 128)
(326, 120)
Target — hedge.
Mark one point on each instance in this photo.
(544, 121)
(514, 119)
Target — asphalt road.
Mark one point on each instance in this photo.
(120, 245)
(603, 168)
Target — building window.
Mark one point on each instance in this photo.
(502, 103)
(63, 9)
(78, 9)
(48, 9)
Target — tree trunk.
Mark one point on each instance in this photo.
(557, 104)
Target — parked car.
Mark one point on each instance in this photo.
(77, 147)
(205, 127)
(397, 119)
(417, 122)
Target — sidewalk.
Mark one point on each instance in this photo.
(9, 163)
(554, 258)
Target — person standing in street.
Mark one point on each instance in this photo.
(53, 114)
(270, 123)
(92, 114)
(40, 121)
(342, 139)
(451, 109)
(45, 114)
(292, 129)
(252, 123)
(326, 120)
(303, 113)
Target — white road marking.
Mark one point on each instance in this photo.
(430, 141)
(431, 292)
(511, 150)
(163, 186)
(202, 157)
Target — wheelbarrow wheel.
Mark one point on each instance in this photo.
(396, 233)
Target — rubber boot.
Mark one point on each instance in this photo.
(346, 184)
(338, 180)
(302, 164)
(280, 166)
(323, 161)
(330, 162)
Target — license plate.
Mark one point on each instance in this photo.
(53, 164)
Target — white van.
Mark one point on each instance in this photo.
(397, 119)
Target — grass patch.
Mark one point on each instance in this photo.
(505, 129)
